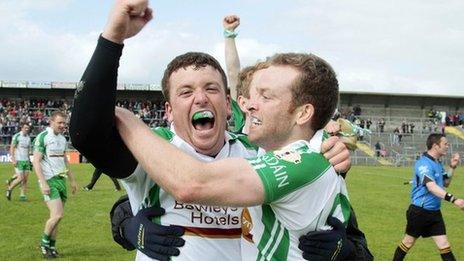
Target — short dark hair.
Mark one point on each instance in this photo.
(434, 138)
(197, 60)
(317, 84)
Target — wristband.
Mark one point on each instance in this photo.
(343, 174)
(449, 197)
(448, 175)
(230, 34)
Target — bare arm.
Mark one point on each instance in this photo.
(441, 193)
(435, 189)
(455, 159)
(187, 179)
(447, 179)
(72, 179)
(30, 152)
(12, 150)
(230, 23)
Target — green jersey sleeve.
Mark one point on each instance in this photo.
(285, 171)
(15, 140)
(39, 143)
(238, 117)
(164, 133)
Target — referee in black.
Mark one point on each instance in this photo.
(423, 216)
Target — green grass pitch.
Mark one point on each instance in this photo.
(377, 194)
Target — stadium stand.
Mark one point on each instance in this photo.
(33, 102)
(35, 112)
(408, 120)
(399, 123)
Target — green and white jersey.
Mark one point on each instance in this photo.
(22, 144)
(212, 233)
(53, 148)
(301, 190)
(238, 117)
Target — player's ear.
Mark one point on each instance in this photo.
(228, 109)
(304, 114)
(242, 103)
(168, 111)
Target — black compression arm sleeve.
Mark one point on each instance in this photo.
(92, 129)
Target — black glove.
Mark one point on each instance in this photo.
(327, 245)
(154, 240)
(120, 212)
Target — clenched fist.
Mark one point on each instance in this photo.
(127, 18)
(231, 22)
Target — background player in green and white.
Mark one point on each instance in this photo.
(19, 151)
(292, 97)
(52, 168)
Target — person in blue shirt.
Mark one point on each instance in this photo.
(424, 216)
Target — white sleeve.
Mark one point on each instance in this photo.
(138, 186)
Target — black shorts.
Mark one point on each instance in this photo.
(425, 223)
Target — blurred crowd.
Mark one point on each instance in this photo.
(150, 112)
(35, 112)
(433, 122)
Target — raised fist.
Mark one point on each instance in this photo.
(231, 22)
(126, 19)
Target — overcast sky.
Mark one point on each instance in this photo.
(413, 46)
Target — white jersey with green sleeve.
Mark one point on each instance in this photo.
(238, 117)
(212, 233)
(301, 190)
(53, 148)
(22, 144)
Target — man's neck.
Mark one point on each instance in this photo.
(434, 154)
(213, 153)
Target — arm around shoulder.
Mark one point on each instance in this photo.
(227, 182)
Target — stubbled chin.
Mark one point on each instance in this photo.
(253, 129)
(253, 133)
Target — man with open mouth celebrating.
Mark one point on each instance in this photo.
(194, 86)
